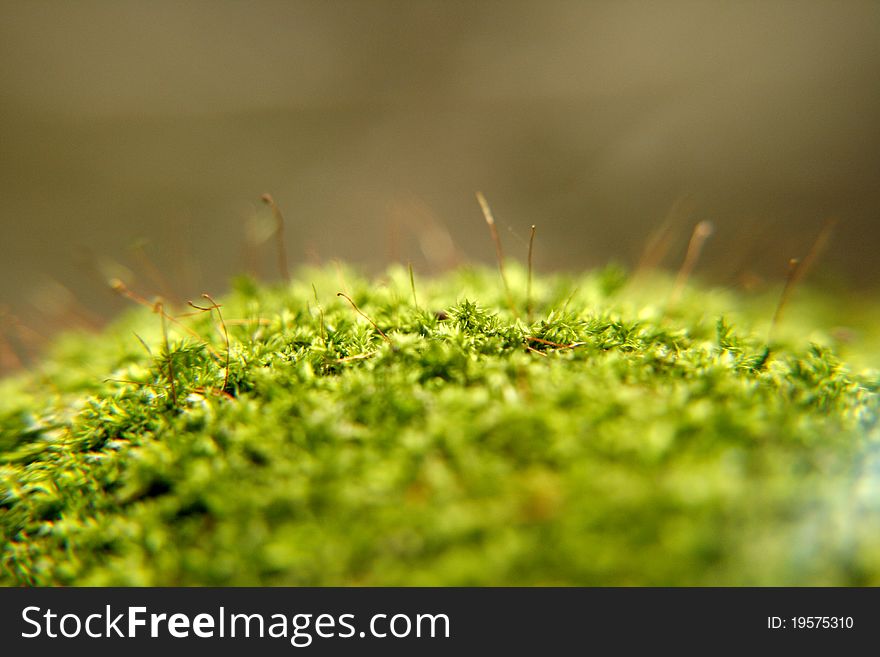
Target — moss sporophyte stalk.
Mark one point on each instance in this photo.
(447, 431)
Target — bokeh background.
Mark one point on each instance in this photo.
(137, 137)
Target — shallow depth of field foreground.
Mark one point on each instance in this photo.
(432, 432)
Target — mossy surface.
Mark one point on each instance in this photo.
(610, 441)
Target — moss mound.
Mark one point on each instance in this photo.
(610, 441)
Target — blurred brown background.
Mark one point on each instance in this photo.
(373, 123)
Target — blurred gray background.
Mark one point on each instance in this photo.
(373, 124)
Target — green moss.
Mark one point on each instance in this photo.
(657, 447)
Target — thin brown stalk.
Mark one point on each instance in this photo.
(361, 313)
(816, 249)
(216, 306)
(701, 233)
(412, 284)
(791, 279)
(797, 270)
(122, 289)
(529, 284)
(499, 253)
(279, 236)
(660, 239)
